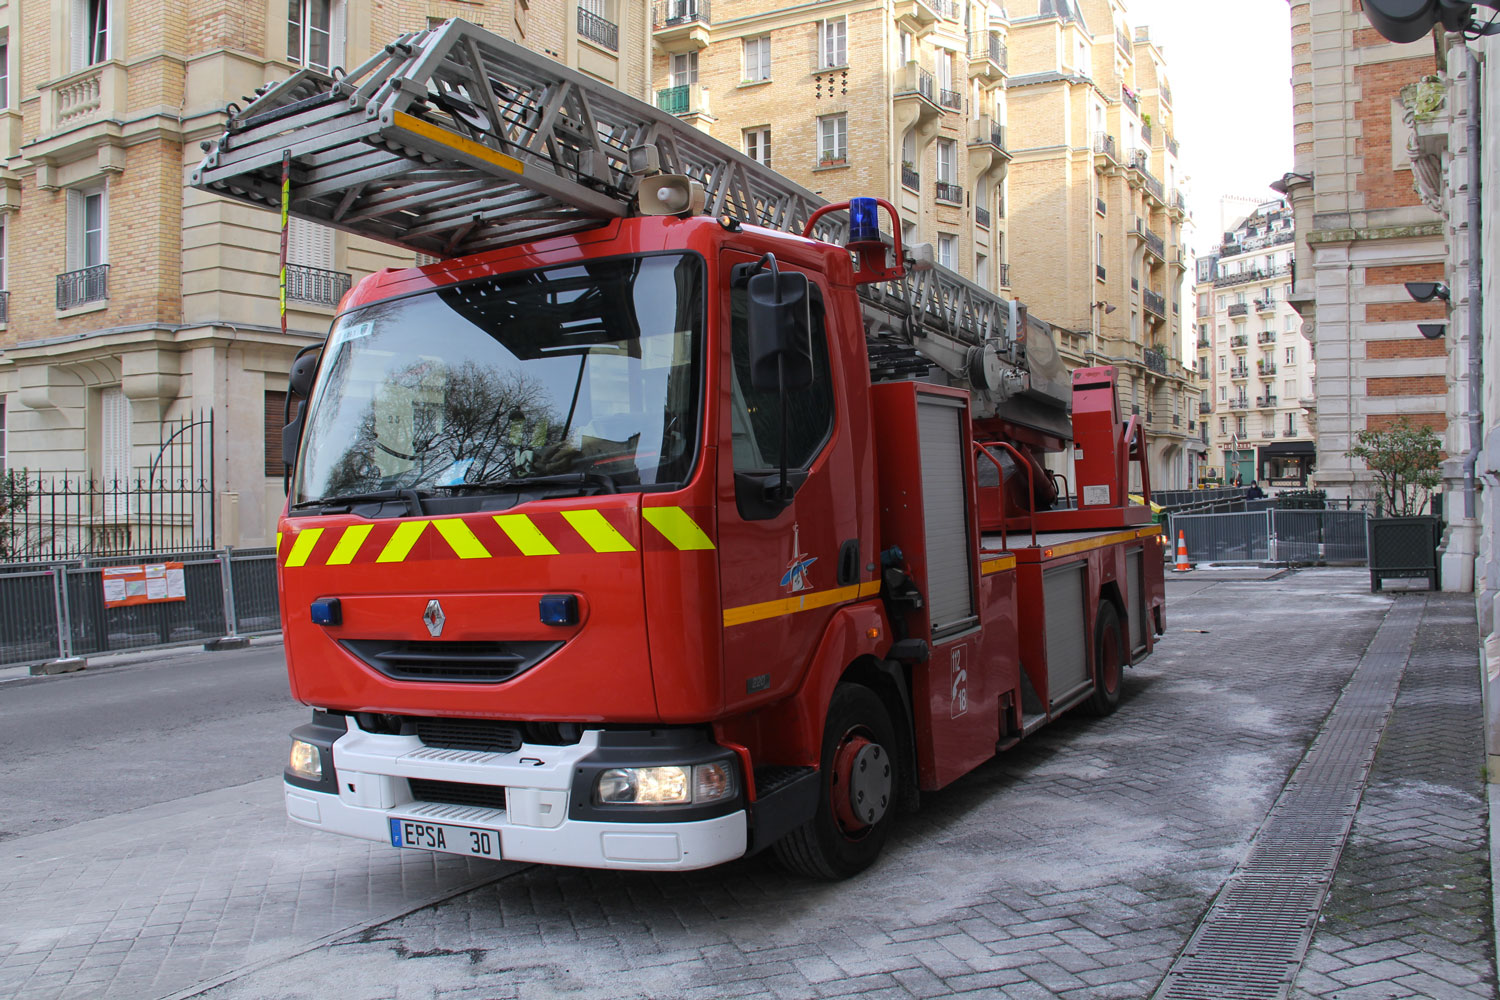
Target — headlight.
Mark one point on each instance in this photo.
(306, 761)
(657, 786)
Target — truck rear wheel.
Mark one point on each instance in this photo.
(859, 777)
(1109, 647)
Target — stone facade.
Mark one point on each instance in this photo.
(1096, 211)
(1254, 364)
(119, 279)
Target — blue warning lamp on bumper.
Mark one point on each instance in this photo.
(864, 220)
(326, 611)
(558, 609)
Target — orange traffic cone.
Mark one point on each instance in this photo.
(1182, 559)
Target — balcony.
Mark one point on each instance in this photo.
(681, 25)
(1205, 408)
(920, 15)
(4, 306)
(1240, 403)
(1203, 344)
(953, 100)
(1146, 134)
(1289, 433)
(1123, 41)
(1099, 272)
(915, 96)
(1155, 360)
(1239, 372)
(1004, 275)
(1166, 92)
(1265, 306)
(1254, 274)
(1177, 202)
(79, 288)
(949, 192)
(1238, 309)
(1265, 402)
(946, 9)
(1265, 370)
(986, 146)
(1128, 96)
(1100, 206)
(981, 217)
(1240, 341)
(1154, 302)
(688, 99)
(1104, 145)
(1139, 158)
(987, 55)
(597, 30)
(1154, 241)
(1171, 144)
(316, 285)
(910, 179)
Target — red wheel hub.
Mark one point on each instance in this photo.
(861, 783)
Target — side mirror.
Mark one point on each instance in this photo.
(304, 367)
(299, 387)
(780, 323)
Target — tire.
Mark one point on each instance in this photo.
(1109, 655)
(860, 778)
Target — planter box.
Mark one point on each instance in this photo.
(1404, 548)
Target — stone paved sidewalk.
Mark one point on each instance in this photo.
(1409, 912)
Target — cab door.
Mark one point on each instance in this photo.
(784, 569)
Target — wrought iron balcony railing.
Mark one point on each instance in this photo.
(316, 284)
(1239, 341)
(676, 12)
(910, 178)
(4, 306)
(950, 192)
(981, 218)
(1266, 337)
(1155, 360)
(1004, 275)
(1155, 302)
(1104, 144)
(1238, 309)
(673, 100)
(1239, 372)
(953, 99)
(80, 287)
(596, 29)
(1130, 101)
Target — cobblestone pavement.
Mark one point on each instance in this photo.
(1075, 865)
(1409, 912)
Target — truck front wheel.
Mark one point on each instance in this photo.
(859, 776)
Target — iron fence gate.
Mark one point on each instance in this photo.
(58, 610)
(1272, 535)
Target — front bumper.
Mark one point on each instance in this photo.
(538, 822)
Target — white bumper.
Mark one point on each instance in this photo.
(534, 825)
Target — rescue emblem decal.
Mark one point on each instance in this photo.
(796, 576)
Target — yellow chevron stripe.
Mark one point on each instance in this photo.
(678, 527)
(302, 547)
(278, 543)
(527, 537)
(599, 533)
(464, 544)
(349, 542)
(400, 545)
(802, 602)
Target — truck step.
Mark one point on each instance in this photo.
(1031, 723)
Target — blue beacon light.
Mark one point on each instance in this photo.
(864, 220)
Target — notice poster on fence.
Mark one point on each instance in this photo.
(128, 585)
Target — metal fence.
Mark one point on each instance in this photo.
(1272, 535)
(165, 505)
(57, 610)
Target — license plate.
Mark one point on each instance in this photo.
(445, 837)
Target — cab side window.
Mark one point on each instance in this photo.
(756, 421)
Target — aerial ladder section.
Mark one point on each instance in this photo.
(452, 141)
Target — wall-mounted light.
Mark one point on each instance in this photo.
(1105, 305)
(1410, 20)
(1432, 331)
(1426, 291)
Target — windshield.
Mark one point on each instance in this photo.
(588, 372)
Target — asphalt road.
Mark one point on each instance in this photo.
(112, 739)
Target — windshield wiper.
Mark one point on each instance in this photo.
(412, 497)
(604, 479)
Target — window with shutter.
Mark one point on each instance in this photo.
(275, 419)
(87, 237)
(114, 438)
(4, 73)
(309, 244)
(315, 33)
(90, 32)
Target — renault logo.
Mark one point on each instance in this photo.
(433, 618)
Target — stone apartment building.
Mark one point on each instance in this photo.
(1362, 231)
(903, 101)
(1254, 364)
(1096, 210)
(129, 300)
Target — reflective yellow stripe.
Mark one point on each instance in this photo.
(528, 539)
(1155, 529)
(678, 527)
(999, 565)
(407, 533)
(464, 544)
(278, 543)
(1088, 544)
(802, 602)
(599, 533)
(348, 547)
(307, 538)
(458, 142)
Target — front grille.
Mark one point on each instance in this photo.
(433, 660)
(469, 734)
(457, 793)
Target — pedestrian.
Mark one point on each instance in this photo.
(1255, 492)
(1236, 484)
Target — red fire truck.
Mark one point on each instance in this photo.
(670, 513)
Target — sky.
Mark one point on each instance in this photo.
(1230, 67)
